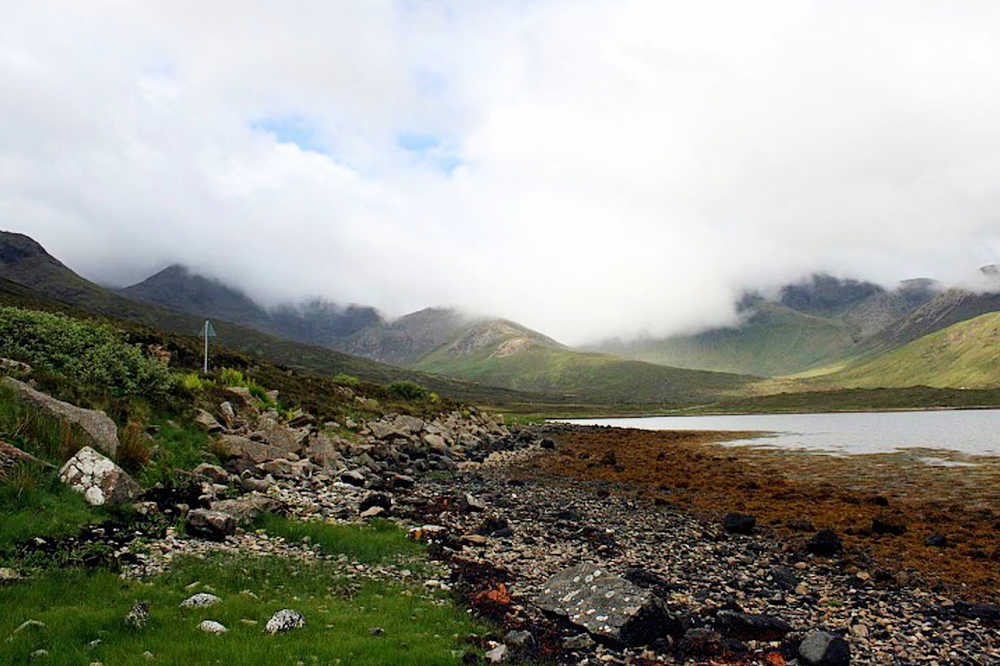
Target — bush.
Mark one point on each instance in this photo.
(406, 390)
(231, 377)
(81, 351)
(193, 382)
(346, 380)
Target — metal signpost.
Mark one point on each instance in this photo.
(207, 332)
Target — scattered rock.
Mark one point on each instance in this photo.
(739, 523)
(747, 627)
(472, 503)
(548, 443)
(284, 620)
(214, 525)
(247, 508)
(207, 422)
(137, 616)
(354, 478)
(10, 365)
(607, 606)
(821, 648)
(936, 540)
(101, 430)
(99, 480)
(212, 627)
(978, 611)
(497, 655)
(213, 473)
(201, 600)
(376, 631)
(374, 499)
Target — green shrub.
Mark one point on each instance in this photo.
(406, 390)
(193, 382)
(346, 380)
(231, 377)
(81, 351)
(258, 391)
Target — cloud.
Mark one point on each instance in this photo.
(588, 168)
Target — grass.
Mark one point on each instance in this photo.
(34, 503)
(79, 607)
(375, 543)
(179, 445)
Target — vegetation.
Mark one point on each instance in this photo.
(82, 614)
(80, 351)
(374, 543)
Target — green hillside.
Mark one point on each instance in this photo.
(966, 354)
(504, 356)
(773, 341)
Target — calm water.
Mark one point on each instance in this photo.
(974, 432)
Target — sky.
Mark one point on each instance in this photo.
(588, 168)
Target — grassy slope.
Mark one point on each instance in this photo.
(774, 341)
(964, 354)
(556, 369)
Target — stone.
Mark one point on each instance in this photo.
(214, 525)
(609, 607)
(375, 499)
(376, 631)
(497, 655)
(522, 640)
(8, 576)
(825, 543)
(227, 412)
(284, 620)
(247, 508)
(747, 627)
(40, 653)
(739, 523)
(10, 365)
(234, 446)
(784, 578)
(11, 457)
(578, 642)
(325, 450)
(95, 424)
(28, 624)
(282, 436)
(436, 444)
(372, 512)
(821, 648)
(885, 523)
(548, 443)
(242, 398)
(137, 616)
(212, 627)
(99, 480)
(207, 422)
(936, 540)
(354, 478)
(985, 612)
(473, 504)
(212, 473)
(201, 600)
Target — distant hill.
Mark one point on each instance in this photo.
(965, 354)
(503, 353)
(312, 322)
(810, 324)
(405, 340)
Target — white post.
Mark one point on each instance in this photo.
(206, 346)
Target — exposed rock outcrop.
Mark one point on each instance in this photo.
(99, 480)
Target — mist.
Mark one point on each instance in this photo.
(589, 169)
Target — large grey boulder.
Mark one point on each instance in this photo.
(284, 620)
(99, 428)
(325, 451)
(611, 608)
(281, 436)
(99, 480)
(207, 422)
(247, 508)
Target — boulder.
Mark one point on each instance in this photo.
(739, 523)
(137, 616)
(284, 620)
(281, 436)
(821, 648)
(209, 524)
(936, 540)
(99, 480)
(207, 422)
(95, 424)
(10, 365)
(375, 500)
(11, 456)
(436, 444)
(825, 543)
(201, 600)
(250, 451)
(213, 473)
(354, 478)
(228, 413)
(985, 612)
(241, 398)
(247, 508)
(325, 451)
(212, 627)
(610, 608)
(747, 627)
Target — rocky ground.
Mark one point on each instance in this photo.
(587, 546)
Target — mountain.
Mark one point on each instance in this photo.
(312, 322)
(950, 307)
(808, 325)
(963, 355)
(502, 353)
(31, 277)
(406, 339)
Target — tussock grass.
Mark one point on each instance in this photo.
(374, 543)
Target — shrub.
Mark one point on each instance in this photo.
(406, 390)
(231, 377)
(258, 391)
(346, 380)
(81, 351)
(193, 382)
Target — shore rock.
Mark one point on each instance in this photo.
(99, 480)
(746, 627)
(739, 523)
(100, 429)
(825, 543)
(821, 648)
(609, 607)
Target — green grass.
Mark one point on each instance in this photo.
(966, 354)
(32, 431)
(180, 445)
(79, 607)
(34, 503)
(375, 543)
